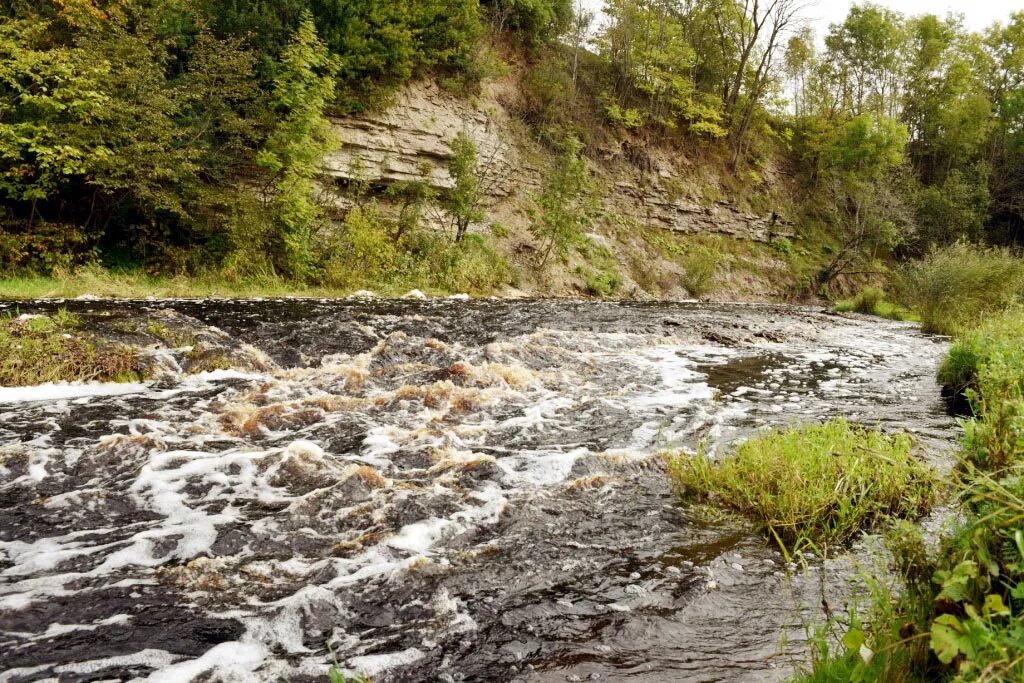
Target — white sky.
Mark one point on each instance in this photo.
(978, 14)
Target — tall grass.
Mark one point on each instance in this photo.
(957, 287)
(815, 486)
(873, 301)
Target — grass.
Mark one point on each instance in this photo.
(813, 486)
(43, 349)
(471, 268)
(1001, 336)
(335, 675)
(958, 287)
(872, 301)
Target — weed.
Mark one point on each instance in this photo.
(335, 675)
(814, 486)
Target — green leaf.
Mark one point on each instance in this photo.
(994, 606)
(853, 639)
(949, 638)
(956, 584)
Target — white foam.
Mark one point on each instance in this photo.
(232, 661)
(373, 665)
(53, 391)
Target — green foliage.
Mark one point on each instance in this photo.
(383, 44)
(815, 486)
(52, 349)
(379, 45)
(462, 202)
(535, 21)
(955, 211)
(1000, 337)
(335, 675)
(646, 41)
(958, 616)
(565, 204)
(303, 87)
(367, 251)
(957, 286)
(601, 283)
(700, 265)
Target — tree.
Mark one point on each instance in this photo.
(565, 203)
(463, 200)
(863, 160)
(302, 136)
(645, 42)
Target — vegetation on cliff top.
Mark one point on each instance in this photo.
(183, 137)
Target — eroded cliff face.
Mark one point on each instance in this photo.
(412, 139)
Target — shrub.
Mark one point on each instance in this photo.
(599, 281)
(1001, 337)
(472, 266)
(959, 285)
(813, 486)
(699, 268)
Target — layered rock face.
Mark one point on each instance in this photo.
(412, 139)
(652, 206)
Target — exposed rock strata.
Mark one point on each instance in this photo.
(411, 141)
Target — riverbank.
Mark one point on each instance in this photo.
(957, 613)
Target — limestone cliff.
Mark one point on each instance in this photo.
(410, 140)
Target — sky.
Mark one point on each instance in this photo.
(977, 13)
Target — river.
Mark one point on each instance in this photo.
(441, 490)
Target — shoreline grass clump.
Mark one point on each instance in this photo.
(1001, 337)
(873, 301)
(52, 348)
(956, 288)
(813, 486)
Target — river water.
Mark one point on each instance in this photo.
(439, 490)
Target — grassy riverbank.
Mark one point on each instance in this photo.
(960, 616)
(137, 284)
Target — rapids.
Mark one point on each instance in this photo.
(439, 490)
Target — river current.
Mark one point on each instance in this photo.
(441, 490)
